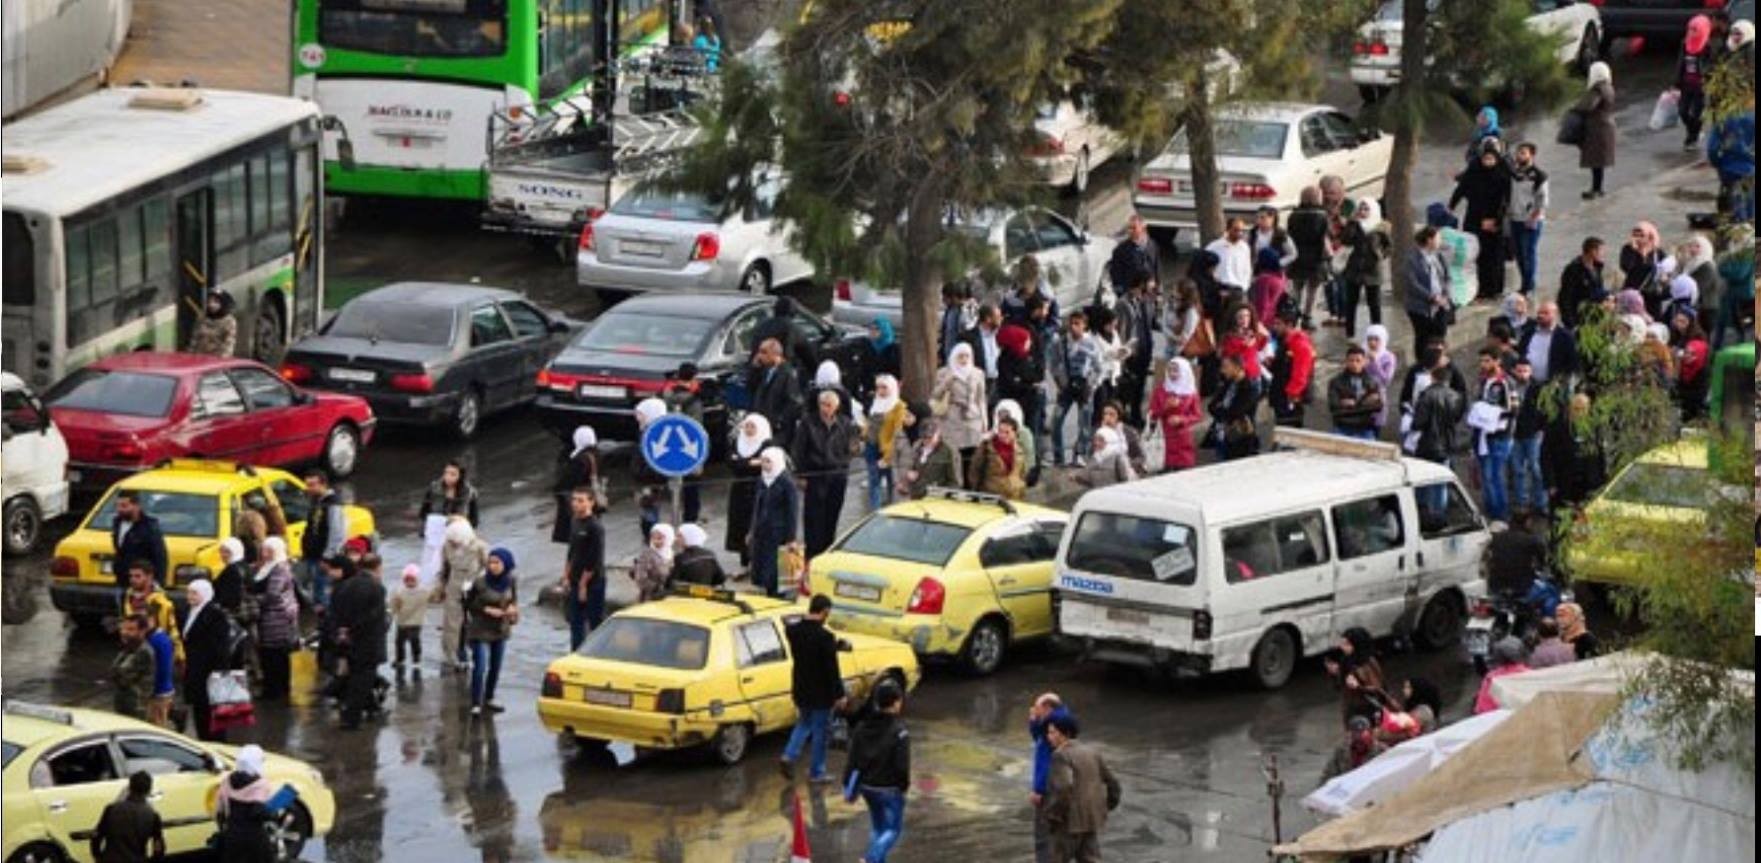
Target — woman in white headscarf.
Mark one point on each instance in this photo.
(1367, 237)
(463, 558)
(776, 517)
(278, 617)
(1175, 405)
(1024, 438)
(888, 418)
(1109, 464)
(752, 437)
(829, 377)
(241, 810)
(206, 649)
(649, 484)
(577, 467)
(1383, 365)
(695, 562)
(1696, 259)
(958, 399)
(654, 563)
(1597, 107)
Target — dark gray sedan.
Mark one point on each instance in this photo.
(432, 354)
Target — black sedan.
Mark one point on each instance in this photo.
(633, 350)
(432, 354)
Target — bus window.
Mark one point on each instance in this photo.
(79, 271)
(259, 167)
(416, 28)
(18, 281)
(567, 43)
(156, 236)
(128, 240)
(103, 261)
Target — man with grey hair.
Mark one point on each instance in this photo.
(823, 443)
(1047, 706)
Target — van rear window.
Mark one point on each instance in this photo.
(1128, 546)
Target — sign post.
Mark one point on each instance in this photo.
(675, 446)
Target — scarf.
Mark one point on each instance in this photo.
(1508, 307)
(1179, 380)
(886, 338)
(1491, 129)
(585, 439)
(748, 444)
(458, 531)
(204, 591)
(1653, 240)
(648, 410)
(1683, 289)
(1114, 441)
(886, 395)
(1698, 251)
(1699, 33)
(1631, 302)
(234, 550)
(1005, 453)
(1007, 408)
(828, 375)
(1600, 73)
(277, 548)
(502, 582)
(1370, 214)
(1014, 341)
(1376, 331)
(693, 535)
(962, 365)
(250, 760)
(666, 548)
(772, 462)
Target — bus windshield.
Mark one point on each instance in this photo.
(416, 28)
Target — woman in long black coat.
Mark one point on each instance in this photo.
(577, 467)
(776, 517)
(754, 437)
(206, 650)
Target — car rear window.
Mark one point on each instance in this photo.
(405, 323)
(179, 513)
(644, 641)
(916, 540)
(646, 335)
(1664, 485)
(1252, 139)
(127, 393)
(1128, 546)
(650, 202)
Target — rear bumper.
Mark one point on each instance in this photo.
(1620, 21)
(405, 409)
(80, 597)
(928, 634)
(618, 725)
(611, 422)
(1123, 652)
(538, 224)
(1185, 218)
(1376, 74)
(861, 314)
(591, 272)
(86, 477)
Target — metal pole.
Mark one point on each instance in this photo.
(677, 486)
(1275, 789)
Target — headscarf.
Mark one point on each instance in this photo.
(666, 548)
(1014, 340)
(507, 568)
(1380, 332)
(693, 535)
(1701, 253)
(886, 338)
(277, 548)
(884, 403)
(967, 370)
(1683, 289)
(1508, 307)
(585, 439)
(1652, 237)
(648, 410)
(204, 591)
(1438, 216)
(412, 570)
(1374, 210)
(1114, 441)
(828, 375)
(1491, 129)
(226, 305)
(772, 462)
(1600, 73)
(1268, 260)
(1008, 407)
(746, 445)
(1741, 33)
(1699, 33)
(357, 544)
(1179, 380)
(233, 549)
(1660, 332)
(458, 531)
(1631, 302)
(250, 760)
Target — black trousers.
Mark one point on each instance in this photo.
(357, 690)
(1489, 266)
(1424, 328)
(820, 509)
(412, 636)
(1369, 293)
(276, 671)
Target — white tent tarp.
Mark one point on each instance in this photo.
(1398, 767)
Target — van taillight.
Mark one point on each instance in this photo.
(670, 701)
(553, 685)
(1201, 626)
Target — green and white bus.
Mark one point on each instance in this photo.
(124, 208)
(414, 82)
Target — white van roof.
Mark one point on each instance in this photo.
(1248, 487)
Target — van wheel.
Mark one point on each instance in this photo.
(24, 525)
(1440, 624)
(730, 742)
(38, 852)
(983, 652)
(1274, 658)
(266, 335)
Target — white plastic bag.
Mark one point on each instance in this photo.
(228, 687)
(1667, 111)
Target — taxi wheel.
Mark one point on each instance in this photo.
(290, 837)
(984, 648)
(41, 852)
(729, 744)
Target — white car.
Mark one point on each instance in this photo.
(1375, 55)
(1266, 153)
(1074, 262)
(33, 466)
(655, 240)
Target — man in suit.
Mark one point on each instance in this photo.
(1550, 348)
(776, 390)
(1080, 791)
(985, 350)
(135, 535)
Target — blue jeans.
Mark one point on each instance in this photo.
(584, 617)
(1492, 465)
(319, 581)
(1360, 434)
(1526, 485)
(810, 724)
(1068, 401)
(1528, 248)
(880, 479)
(886, 818)
(485, 656)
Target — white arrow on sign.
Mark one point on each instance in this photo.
(673, 441)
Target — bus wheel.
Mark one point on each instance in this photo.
(266, 342)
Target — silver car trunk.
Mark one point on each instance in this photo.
(649, 243)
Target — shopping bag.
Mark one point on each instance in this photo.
(1572, 128)
(1667, 110)
(229, 699)
(792, 567)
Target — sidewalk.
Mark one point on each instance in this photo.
(232, 45)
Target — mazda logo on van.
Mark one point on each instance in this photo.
(1084, 585)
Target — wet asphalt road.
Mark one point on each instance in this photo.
(430, 784)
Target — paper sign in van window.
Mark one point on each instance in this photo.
(1176, 534)
(1166, 566)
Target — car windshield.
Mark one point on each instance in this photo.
(8, 751)
(1664, 485)
(644, 641)
(406, 323)
(917, 540)
(652, 202)
(644, 334)
(1128, 546)
(1251, 139)
(179, 513)
(127, 393)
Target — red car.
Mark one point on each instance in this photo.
(130, 411)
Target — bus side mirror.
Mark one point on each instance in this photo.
(345, 153)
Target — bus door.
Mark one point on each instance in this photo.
(308, 244)
(195, 259)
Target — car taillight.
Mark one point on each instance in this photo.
(128, 451)
(586, 242)
(418, 382)
(1252, 191)
(1201, 626)
(64, 567)
(1155, 185)
(927, 598)
(295, 373)
(707, 248)
(1360, 48)
(1378, 49)
(1482, 608)
(553, 685)
(842, 289)
(669, 701)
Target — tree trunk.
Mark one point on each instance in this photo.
(922, 299)
(1207, 188)
(1397, 194)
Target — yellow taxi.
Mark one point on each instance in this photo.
(1666, 488)
(956, 575)
(196, 502)
(63, 765)
(701, 666)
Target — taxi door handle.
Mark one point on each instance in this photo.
(1008, 580)
(57, 807)
(747, 679)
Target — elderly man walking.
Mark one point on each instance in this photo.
(1080, 791)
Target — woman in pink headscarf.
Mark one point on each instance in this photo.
(1175, 405)
(1691, 72)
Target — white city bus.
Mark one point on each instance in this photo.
(123, 209)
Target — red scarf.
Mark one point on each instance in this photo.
(1005, 452)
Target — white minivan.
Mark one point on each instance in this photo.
(33, 466)
(1259, 562)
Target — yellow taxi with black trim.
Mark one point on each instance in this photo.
(196, 502)
(62, 766)
(702, 666)
(1668, 488)
(956, 575)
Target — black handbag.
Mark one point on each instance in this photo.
(1573, 128)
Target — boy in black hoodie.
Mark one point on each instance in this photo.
(879, 769)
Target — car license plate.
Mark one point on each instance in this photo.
(1182, 187)
(601, 391)
(857, 591)
(642, 249)
(1127, 615)
(357, 376)
(1479, 636)
(606, 697)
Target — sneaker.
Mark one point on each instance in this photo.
(492, 707)
(476, 710)
(787, 768)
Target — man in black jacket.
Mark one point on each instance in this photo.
(1354, 398)
(822, 445)
(1136, 258)
(776, 389)
(1581, 283)
(879, 769)
(135, 535)
(358, 610)
(1528, 486)
(817, 686)
(1551, 349)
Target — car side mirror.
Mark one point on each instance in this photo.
(1367, 134)
(845, 646)
(559, 326)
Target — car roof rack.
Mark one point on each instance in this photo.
(44, 712)
(964, 496)
(712, 594)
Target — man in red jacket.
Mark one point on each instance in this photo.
(1292, 366)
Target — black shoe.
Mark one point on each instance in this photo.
(492, 707)
(787, 768)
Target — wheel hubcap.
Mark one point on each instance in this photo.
(21, 529)
(468, 414)
(986, 647)
(1276, 659)
(342, 452)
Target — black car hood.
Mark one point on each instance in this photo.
(349, 346)
(615, 364)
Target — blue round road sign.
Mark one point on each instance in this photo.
(675, 445)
